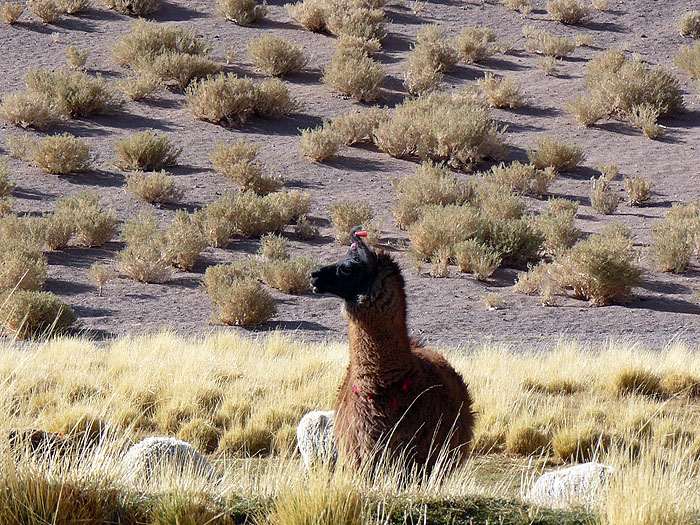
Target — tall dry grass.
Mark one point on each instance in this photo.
(253, 392)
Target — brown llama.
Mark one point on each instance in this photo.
(397, 396)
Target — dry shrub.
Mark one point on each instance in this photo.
(524, 439)
(582, 444)
(432, 41)
(153, 186)
(431, 184)
(539, 41)
(516, 240)
(62, 154)
(556, 386)
(354, 74)
(568, 11)
(559, 154)
(474, 44)
(22, 267)
(500, 92)
(243, 12)
(644, 117)
(639, 190)
(273, 99)
(146, 151)
(184, 241)
(148, 40)
(100, 274)
(442, 226)
(145, 257)
(557, 223)
(600, 5)
(59, 230)
(345, 215)
(674, 240)
(134, 7)
(689, 24)
(496, 202)
(72, 7)
(523, 6)
(477, 257)
(92, 224)
(618, 84)
(355, 44)
(321, 142)
(688, 59)
(29, 314)
(179, 67)
(441, 127)
(19, 147)
(358, 21)
(230, 100)
(243, 303)
(310, 14)
(11, 12)
(586, 111)
(603, 198)
(601, 268)
(223, 275)
(358, 126)
(238, 162)
(288, 275)
(250, 215)
(523, 179)
(420, 75)
(305, 229)
(74, 93)
(275, 56)
(6, 185)
(27, 109)
(431, 56)
(273, 246)
(45, 10)
(584, 41)
(440, 263)
(139, 87)
(75, 57)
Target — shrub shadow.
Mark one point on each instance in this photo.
(170, 12)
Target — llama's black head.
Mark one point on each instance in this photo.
(352, 277)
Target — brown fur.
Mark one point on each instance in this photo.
(417, 419)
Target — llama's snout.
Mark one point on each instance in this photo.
(315, 281)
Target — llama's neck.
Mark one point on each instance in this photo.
(380, 349)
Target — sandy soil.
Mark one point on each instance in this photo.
(442, 311)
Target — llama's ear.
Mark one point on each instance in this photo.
(357, 235)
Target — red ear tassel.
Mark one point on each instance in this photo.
(361, 233)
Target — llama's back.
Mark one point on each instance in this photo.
(447, 401)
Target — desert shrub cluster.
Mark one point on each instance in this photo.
(431, 56)
(62, 154)
(146, 151)
(134, 7)
(250, 215)
(568, 11)
(353, 73)
(441, 127)
(600, 269)
(675, 238)
(628, 89)
(230, 100)
(276, 56)
(347, 214)
(689, 24)
(54, 94)
(546, 43)
(557, 154)
(238, 161)
(242, 12)
(347, 129)
(500, 92)
(153, 186)
(11, 12)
